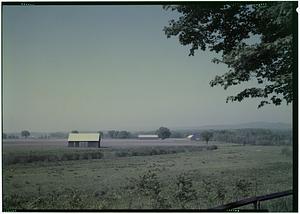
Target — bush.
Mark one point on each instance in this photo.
(286, 151)
(149, 185)
(33, 157)
(185, 192)
(76, 156)
(12, 203)
(220, 192)
(52, 158)
(212, 147)
(243, 187)
(76, 200)
(122, 154)
(154, 152)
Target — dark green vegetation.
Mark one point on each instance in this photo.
(255, 42)
(141, 177)
(254, 136)
(207, 135)
(50, 156)
(25, 133)
(163, 133)
(119, 134)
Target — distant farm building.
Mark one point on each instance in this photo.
(194, 137)
(148, 136)
(84, 140)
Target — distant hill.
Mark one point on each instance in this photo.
(252, 125)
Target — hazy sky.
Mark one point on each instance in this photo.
(110, 67)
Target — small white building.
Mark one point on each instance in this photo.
(194, 137)
(84, 140)
(148, 136)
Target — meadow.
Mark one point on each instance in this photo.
(136, 174)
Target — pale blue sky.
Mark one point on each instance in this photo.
(110, 67)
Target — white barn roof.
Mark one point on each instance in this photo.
(84, 137)
(148, 136)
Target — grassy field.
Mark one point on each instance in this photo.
(142, 175)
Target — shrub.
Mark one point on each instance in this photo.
(97, 155)
(76, 156)
(121, 154)
(162, 151)
(286, 151)
(185, 192)
(149, 183)
(12, 202)
(212, 147)
(243, 187)
(33, 157)
(220, 192)
(67, 156)
(52, 158)
(154, 152)
(76, 200)
(207, 191)
(135, 153)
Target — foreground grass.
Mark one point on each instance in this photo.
(213, 176)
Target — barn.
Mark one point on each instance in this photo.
(84, 140)
(148, 136)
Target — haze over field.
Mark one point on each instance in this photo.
(111, 67)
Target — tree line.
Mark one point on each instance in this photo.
(254, 136)
(246, 136)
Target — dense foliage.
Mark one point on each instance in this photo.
(25, 133)
(207, 136)
(163, 133)
(119, 134)
(58, 135)
(254, 136)
(230, 29)
(101, 134)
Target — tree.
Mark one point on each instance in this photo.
(25, 133)
(229, 29)
(74, 131)
(101, 134)
(177, 135)
(58, 135)
(123, 134)
(163, 133)
(207, 135)
(113, 133)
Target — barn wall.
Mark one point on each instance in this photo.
(83, 144)
(92, 144)
(70, 144)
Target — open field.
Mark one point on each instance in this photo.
(135, 174)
